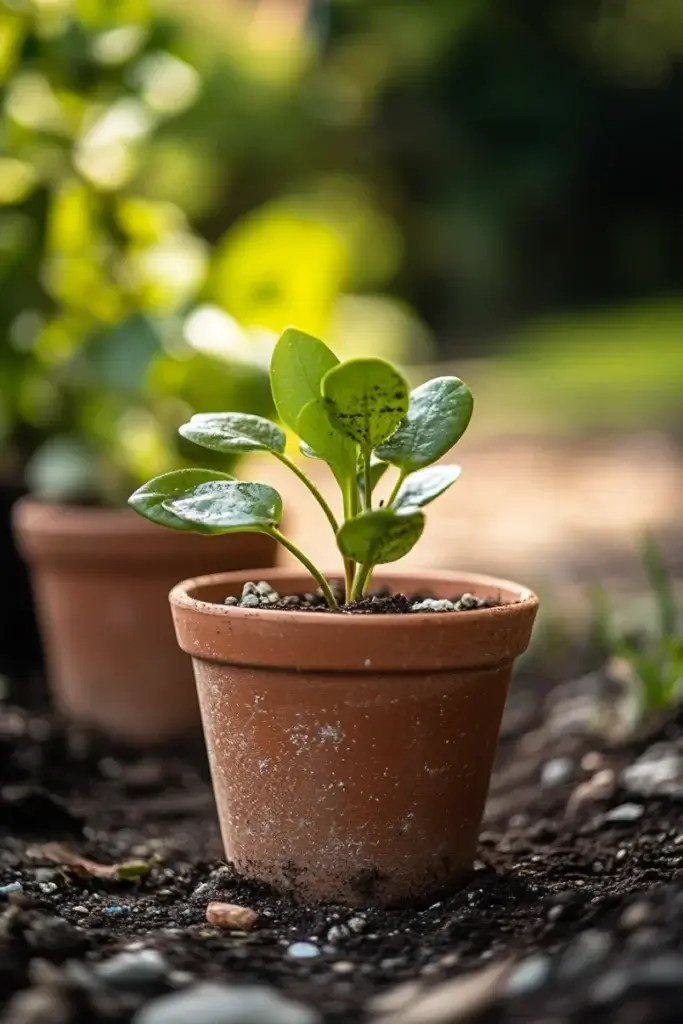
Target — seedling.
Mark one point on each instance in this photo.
(357, 416)
(650, 663)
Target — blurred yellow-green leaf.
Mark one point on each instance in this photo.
(277, 268)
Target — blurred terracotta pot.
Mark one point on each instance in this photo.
(351, 755)
(101, 579)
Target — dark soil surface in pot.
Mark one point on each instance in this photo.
(574, 912)
(379, 601)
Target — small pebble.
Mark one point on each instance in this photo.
(528, 975)
(357, 924)
(220, 1004)
(432, 604)
(231, 601)
(134, 971)
(625, 812)
(600, 786)
(303, 950)
(249, 590)
(589, 948)
(468, 602)
(343, 967)
(80, 910)
(231, 916)
(11, 887)
(635, 916)
(557, 771)
(338, 932)
(250, 601)
(201, 890)
(663, 970)
(47, 887)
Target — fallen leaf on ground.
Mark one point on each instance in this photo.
(457, 1000)
(81, 865)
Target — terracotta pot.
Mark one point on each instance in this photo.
(351, 755)
(101, 580)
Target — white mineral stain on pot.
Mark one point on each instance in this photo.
(332, 733)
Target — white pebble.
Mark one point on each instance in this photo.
(303, 950)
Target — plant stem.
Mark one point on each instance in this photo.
(367, 477)
(350, 494)
(390, 500)
(331, 518)
(314, 571)
(361, 581)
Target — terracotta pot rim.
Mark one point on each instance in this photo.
(91, 536)
(65, 518)
(364, 644)
(181, 597)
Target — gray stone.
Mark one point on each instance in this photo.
(357, 924)
(610, 987)
(250, 590)
(657, 772)
(638, 914)
(337, 933)
(251, 601)
(625, 813)
(587, 950)
(557, 771)
(468, 602)
(141, 969)
(231, 601)
(221, 1004)
(11, 887)
(38, 1006)
(45, 874)
(663, 970)
(528, 975)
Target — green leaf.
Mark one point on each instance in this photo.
(425, 485)
(661, 585)
(234, 432)
(306, 450)
(297, 367)
(380, 536)
(377, 471)
(366, 399)
(325, 442)
(149, 499)
(229, 506)
(437, 417)
(133, 869)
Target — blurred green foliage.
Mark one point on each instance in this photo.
(118, 317)
(179, 182)
(648, 662)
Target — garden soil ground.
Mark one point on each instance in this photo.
(574, 911)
